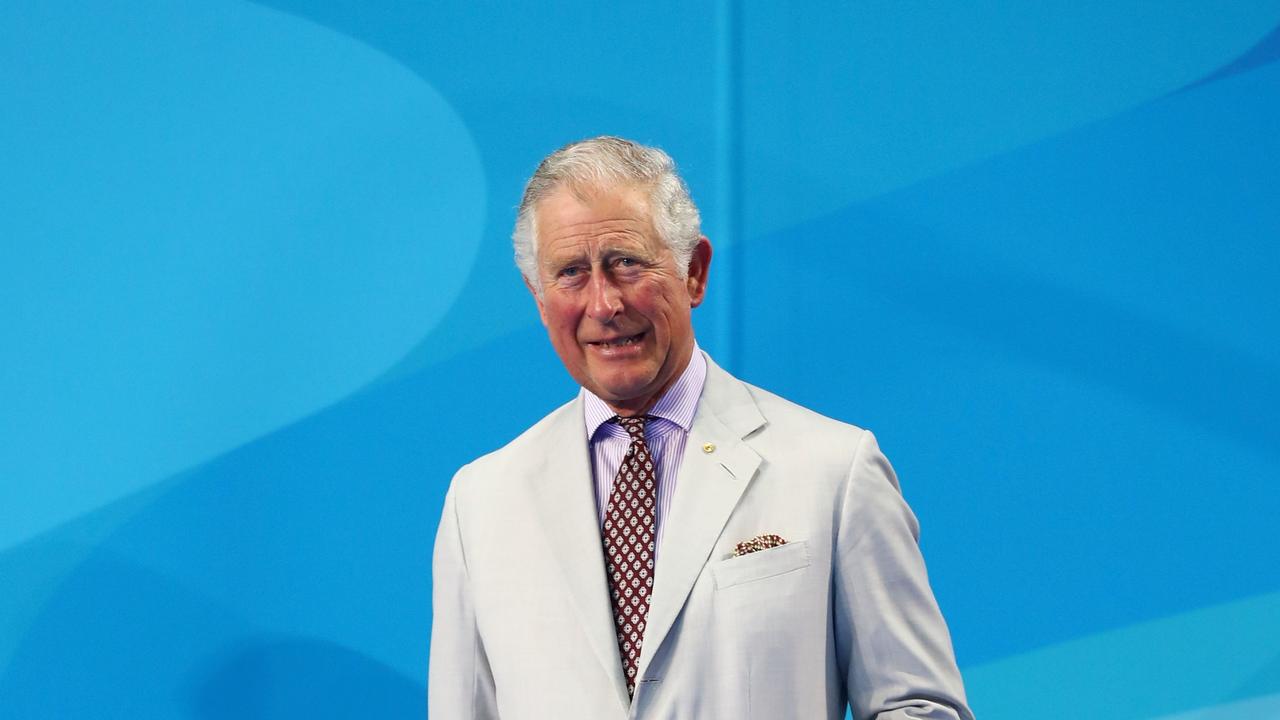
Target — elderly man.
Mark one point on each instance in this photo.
(671, 543)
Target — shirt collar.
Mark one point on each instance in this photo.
(676, 405)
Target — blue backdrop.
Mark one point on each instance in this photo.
(258, 305)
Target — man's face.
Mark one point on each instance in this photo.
(614, 304)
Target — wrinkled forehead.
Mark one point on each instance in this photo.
(633, 196)
(577, 214)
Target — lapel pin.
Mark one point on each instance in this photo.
(708, 447)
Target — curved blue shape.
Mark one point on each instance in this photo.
(869, 99)
(319, 531)
(1258, 707)
(222, 221)
(1070, 353)
(1199, 659)
(222, 218)
(1267, 50)
(285, 677)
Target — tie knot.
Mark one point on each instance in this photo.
(633, 425)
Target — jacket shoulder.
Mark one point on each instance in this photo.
(793, 433)
(783, 411)
(746, 406)
(515, 457)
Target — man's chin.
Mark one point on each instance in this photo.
(625, 394)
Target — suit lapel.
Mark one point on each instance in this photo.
(564, 499)
(708, 487)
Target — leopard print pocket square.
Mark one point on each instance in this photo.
(757, 543)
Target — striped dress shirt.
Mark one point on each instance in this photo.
(665, 434)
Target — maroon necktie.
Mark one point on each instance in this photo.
(629, 533)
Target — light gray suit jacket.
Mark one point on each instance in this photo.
(841, 613)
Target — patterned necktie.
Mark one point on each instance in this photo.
(629, 544)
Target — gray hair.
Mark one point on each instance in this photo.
(602, 163)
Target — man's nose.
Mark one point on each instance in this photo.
(605, 301)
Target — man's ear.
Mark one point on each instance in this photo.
(542, 312)
(699, 265)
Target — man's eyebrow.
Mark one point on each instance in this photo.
(641, 253)
(558, 263)
(608, 248)
(554, 265)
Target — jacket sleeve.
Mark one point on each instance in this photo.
(891, 641)
(460, 683)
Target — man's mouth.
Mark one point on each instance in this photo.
(618, 341)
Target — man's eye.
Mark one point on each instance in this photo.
(570, 271)
(626, 262)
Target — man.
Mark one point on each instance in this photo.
(672, 543)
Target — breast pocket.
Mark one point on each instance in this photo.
(762, 564)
